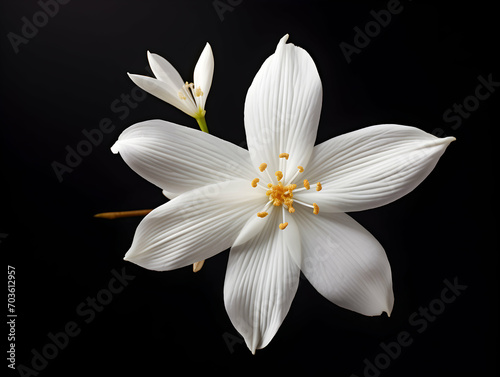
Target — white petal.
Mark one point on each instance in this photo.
(164, 71)
(254, 225)
(164, 92)
(169, 195)
(344, 262)
(282, 108)
(371, 167)
(293, 239)
(203, 73)
(261, 281)
(193, 226)
(179, 159)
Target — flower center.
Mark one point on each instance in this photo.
(188, 90)
(189, 93)
(281, 194)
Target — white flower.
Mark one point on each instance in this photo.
(169, 86)
(279, 206)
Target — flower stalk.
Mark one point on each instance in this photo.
(120, 214)
(202, 122)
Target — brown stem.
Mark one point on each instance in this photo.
(116, 215)
(140, 212)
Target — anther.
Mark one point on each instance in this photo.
(262, 166)
(262, 214)
(306, 184)
(284, 155)
(198, 265)
(181, 96)
(283, 226)
(279, 175)
(316, 209)
(301, 169)
(198, 92)
(254, 182)
(318, 186)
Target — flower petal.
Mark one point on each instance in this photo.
(179, 159)
(371, 167)
(203, 73)
(194, 226)
(282, 108)
(254, 225)
(165, 92)
(344, 262)
(165, 72)
(169, 195)
(261, 281)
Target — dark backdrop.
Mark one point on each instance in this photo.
(65, 76)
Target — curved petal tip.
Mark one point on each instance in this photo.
(129, 255)
(115, 148)
(284, 39)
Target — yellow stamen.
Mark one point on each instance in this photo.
(306, 184)
(318, 186)
(181, 96)
(269, 185)
(198, 92)
(301, 169)
(262, 214)
(279, 175)
(279, 194)
(284, 155)
(254, 182)
(262, 166)
(283, 226)
(316, 209)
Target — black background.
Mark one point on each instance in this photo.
(65, 80)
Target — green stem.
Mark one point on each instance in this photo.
(202, 123)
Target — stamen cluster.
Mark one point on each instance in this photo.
(281, 194)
